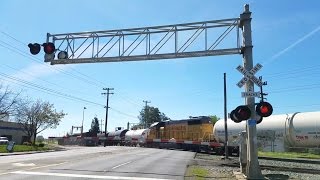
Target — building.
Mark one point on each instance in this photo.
(13, 131)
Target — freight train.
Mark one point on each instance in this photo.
(284, 132)
(194, 134)
(279, 133)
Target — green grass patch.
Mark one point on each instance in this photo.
(289, 155)
(198, 172)
(24, 148)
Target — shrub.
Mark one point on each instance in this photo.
(27, 143)
(41, 145)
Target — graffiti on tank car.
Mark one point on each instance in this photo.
(301, 138)
(316, 137)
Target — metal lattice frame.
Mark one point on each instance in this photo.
(148, 43)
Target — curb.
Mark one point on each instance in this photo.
(27, 152)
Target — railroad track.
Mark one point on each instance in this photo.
(280, 167)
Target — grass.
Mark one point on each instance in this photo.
(289, 155)
(198, 172)
(23, 148)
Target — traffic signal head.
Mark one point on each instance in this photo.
(264, 109)
(240, 113)
(34, 48)
(49, 48)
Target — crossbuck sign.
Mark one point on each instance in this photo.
(249, 75)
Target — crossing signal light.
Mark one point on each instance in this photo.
(240, 113)
(259, 119)
(34, 48)
(49, 48)
(264, 109)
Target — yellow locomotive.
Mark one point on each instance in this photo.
(195, 133)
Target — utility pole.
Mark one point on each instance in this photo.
(82, 120)
(225, 116)
(107, 107)
(101, 126)
(253, 170)
(145, 113)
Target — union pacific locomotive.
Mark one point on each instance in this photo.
(194, 134)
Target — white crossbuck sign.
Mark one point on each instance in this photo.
(249, 75)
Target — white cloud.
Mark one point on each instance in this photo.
(35, 71)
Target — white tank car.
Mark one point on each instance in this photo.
(134, 137)
(277, 132)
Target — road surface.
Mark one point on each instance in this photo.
(111, 162)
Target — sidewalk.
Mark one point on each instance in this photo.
(56, 148)
(26, 152)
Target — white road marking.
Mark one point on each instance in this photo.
(49, 165)
(23, 164)
(83, 176)
(39, 167)
(121, 165)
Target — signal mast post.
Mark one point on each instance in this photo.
(253, 170)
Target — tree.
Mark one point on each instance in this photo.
(95, 126)
(149, 115)
(214, 119)
(8, 102)
(38, 116)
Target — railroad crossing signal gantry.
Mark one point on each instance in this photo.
(196, 39)
(207, 38)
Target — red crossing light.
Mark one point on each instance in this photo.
(264, 109)
(34, 48)
(240, 113)
(49, 48)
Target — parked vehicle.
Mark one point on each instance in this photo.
(4, 140)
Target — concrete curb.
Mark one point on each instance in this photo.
(28, 152)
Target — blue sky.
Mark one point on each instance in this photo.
(285, 38)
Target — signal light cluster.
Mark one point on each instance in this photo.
(49, 49)
(263, 109)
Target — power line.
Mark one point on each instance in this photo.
(47, 89)
(37, 60)
(29, 74)
(125, 114)
(18, 51)
(8, 35)
(92, 80)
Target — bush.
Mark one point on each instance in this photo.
(27, 143)
(40, 139)
(41, 145)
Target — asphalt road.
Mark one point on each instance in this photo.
(111, 162)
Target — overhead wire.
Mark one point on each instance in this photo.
(22, 53)
(88, 79)
(47, 89)
(120, 112)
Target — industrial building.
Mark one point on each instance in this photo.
(13, 131)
